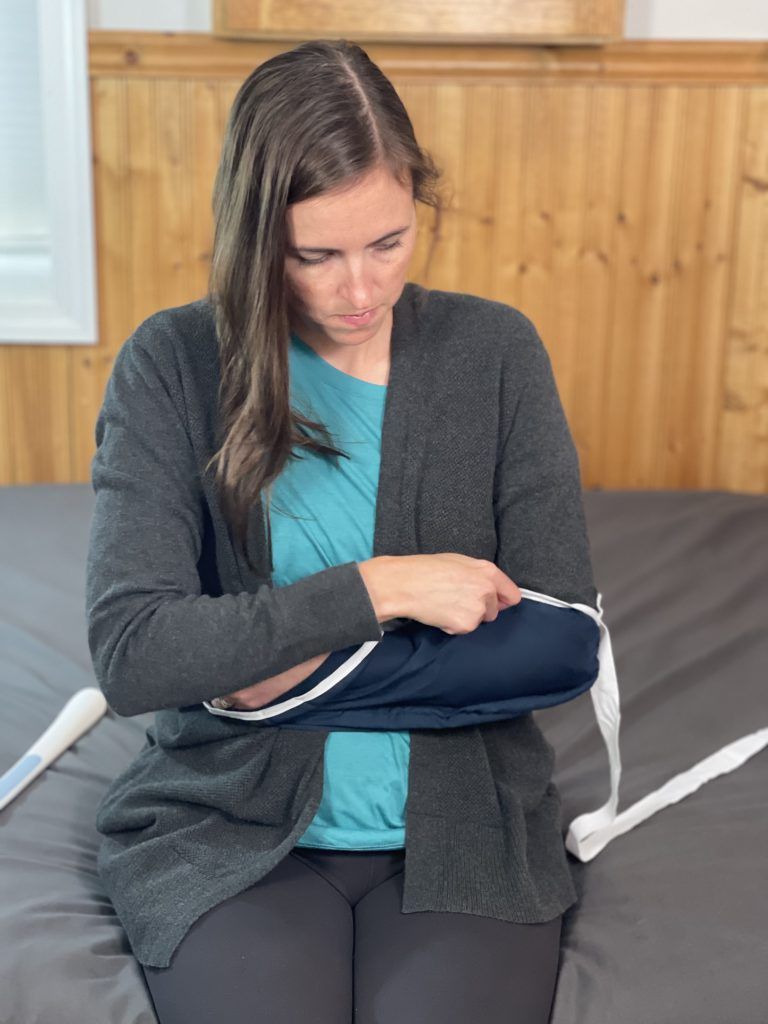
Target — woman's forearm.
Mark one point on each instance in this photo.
(266, 690)
(382, 578)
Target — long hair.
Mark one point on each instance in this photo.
(304, 122)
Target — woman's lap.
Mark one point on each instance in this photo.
(321, 938)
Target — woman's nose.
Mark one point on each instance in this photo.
(358, 288)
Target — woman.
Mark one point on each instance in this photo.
(281, 874)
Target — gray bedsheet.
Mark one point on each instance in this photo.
(671, 925)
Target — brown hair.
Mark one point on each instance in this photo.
(307, 121)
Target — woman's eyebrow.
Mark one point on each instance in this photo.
(390, 234)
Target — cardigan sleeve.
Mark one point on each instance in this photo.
(156, 640)
(540, 524)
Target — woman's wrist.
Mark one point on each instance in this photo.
(379, 579)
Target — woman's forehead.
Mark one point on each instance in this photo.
(361, 213)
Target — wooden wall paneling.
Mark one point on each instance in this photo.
(113, 186)
(650, 61)
(622, 346)
(696, 447)
(162, 199)
(692, 355)
(597, 278)
(40, 413)
(145, 294)
(654, 355)
(568, 342)
(535, 291)
(7, 440)
(226, 92)
(743, 447)
(475, 212)
(174, 174)
(677, 272)
(203, 114)
(647, 275)
(417, 99)
(449, 124)
(92, 364)
(508, 263)
(637, 339)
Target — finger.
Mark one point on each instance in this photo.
(224, 703)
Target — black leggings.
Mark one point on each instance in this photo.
(321, 939)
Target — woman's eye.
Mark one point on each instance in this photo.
(322, 259)
(390, 245)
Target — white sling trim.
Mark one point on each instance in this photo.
(335, 677)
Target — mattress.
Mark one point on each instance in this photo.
(671, 920)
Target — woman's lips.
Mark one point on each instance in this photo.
(358, 320)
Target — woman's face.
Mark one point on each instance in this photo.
(348, 253)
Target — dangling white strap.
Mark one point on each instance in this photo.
(590, 833)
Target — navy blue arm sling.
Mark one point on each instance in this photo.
(533, 655)
(538, 653)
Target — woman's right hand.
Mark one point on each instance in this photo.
(451, 591)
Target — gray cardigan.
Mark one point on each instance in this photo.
(476, 458)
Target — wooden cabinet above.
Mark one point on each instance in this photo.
(550, 22)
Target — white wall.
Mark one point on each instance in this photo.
(696, 19)
(151, 15)
(645, 19)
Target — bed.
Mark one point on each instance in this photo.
(672, 921)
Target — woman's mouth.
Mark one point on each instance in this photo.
(358, 319)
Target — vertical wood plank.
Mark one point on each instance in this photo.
(9, 442)
(204, 131)
(476, 234)
(142, 127)
(40, 413)
(172, 173)
(636, 357)
(569, 160)
(417, 100)
(743, 445)
(697, 463)
(449, 105)
(693, 351)
(504, 284)
(91, 365)
(653, 359)
(597, 274)
(535, 293)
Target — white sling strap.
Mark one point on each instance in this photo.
(590, 833)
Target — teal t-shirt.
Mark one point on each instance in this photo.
(323, 514)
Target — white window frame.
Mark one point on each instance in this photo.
(67, 313)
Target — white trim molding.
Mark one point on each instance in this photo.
(56, 300)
